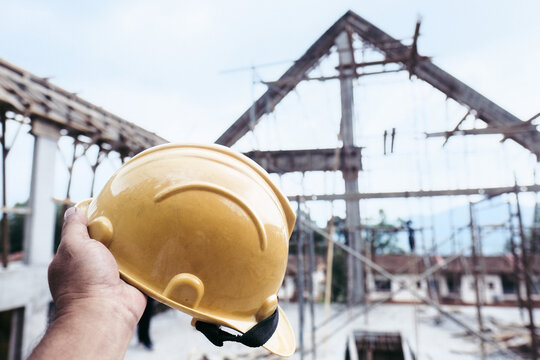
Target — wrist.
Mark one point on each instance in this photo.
(88, 329)
(98, 311)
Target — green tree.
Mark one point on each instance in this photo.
(16, 229)
(384, 239)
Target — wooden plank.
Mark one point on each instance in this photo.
(15, 210)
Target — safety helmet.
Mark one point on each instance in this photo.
(202, 229)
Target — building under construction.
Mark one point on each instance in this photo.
(452, 269)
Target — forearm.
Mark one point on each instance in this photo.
(91, 330)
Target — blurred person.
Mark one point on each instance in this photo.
(143, 328)
(96, 311)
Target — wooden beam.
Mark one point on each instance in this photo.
(334, 77)
(489, 192)
(505, 131)
(286, 161)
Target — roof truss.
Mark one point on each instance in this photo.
(394, 51)
(36, 98)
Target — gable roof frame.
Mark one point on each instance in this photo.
(486, 110)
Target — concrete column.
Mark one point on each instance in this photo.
(355, 283)
(39, 232)
(39, 224)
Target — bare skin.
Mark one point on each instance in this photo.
(96, 312)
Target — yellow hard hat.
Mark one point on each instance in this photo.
(204, 230)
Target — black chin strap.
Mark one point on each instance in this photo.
(257, 336)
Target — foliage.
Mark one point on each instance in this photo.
(60, 210)
(339, 276)
(16, 228)
(385, 240)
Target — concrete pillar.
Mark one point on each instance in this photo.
(39, 225)
(355, 283)
(39, 232)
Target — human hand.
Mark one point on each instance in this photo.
(84, 275)
(96, 312)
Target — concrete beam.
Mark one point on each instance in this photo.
(286, 161)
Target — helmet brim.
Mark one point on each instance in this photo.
(282, 343)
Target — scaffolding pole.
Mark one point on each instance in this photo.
(329, 266)
(475, 264)
(311, 286)
(517, 270)
(300, 278)
(5, 221)
(527, 276)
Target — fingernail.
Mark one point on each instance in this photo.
(70, 211)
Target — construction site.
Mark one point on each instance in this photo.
(417, 201)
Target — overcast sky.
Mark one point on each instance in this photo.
(158, 63)
(166, 66)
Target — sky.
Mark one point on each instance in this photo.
(187, 69)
